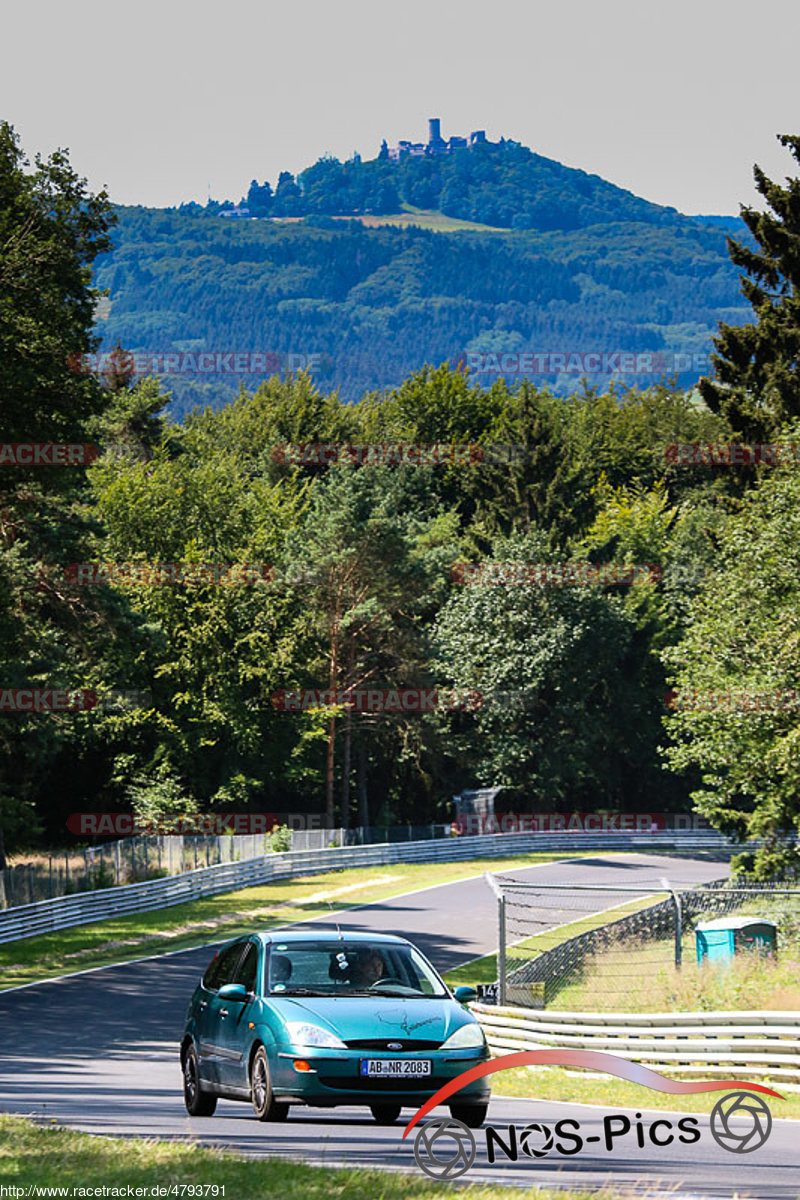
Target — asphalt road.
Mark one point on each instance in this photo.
(98, 1051)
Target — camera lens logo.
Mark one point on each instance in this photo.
(740, 1122)
(536, 1140)
(444, 1148)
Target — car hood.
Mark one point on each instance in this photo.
(359, 1017)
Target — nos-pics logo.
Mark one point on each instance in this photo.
(445, 1148)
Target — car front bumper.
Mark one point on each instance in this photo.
(334, 1077)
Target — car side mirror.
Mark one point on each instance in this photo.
(233, 991)
(464, 994)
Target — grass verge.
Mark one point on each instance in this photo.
(51, 1156)
(644, 979)
(216, 918)
(582, 1087)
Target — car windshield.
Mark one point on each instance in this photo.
(324, 968)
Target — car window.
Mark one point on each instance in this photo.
(248, 968)
(339, 968)
(222, 968)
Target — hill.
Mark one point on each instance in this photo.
(366, 306)
(500, 184)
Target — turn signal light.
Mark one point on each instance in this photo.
(300, 1064)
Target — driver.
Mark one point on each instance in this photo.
(369, 969)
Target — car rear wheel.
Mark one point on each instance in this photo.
(198, 1104)
(471, 1115)
(265, 1106)
(385, 1114)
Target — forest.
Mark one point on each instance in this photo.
(367, 307)
(262, 572)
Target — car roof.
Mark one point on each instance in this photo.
(287, 936)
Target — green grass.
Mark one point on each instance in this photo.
(216, 918)
(645, 979)
(425, 218)
(51, 1156)
(556, 1083)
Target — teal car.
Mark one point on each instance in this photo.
(325, 1019)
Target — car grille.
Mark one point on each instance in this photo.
(409, 1045)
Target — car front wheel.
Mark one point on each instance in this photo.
(198, 1104)
(385, 1114)
(264, 1104)
(471, 1115)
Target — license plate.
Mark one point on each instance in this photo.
(395, 1068)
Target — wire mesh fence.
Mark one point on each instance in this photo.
(130, 860)
(621, 948)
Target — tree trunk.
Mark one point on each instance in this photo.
(363, 805)
(348, 741)
(329, 764)
(329, 774)
(348, 736)
(3, 862)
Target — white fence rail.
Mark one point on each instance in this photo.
(756, 1044)
(62, 912)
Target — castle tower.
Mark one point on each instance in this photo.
(434, 134)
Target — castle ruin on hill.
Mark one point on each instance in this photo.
(435, 144)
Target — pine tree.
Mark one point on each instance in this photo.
(757, 365)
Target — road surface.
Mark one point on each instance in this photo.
(98, 1051)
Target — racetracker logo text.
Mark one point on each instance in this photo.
(445, 1148)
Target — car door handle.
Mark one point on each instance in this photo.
(223, 1012)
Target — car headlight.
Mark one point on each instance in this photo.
(466, 1037)
(301, 1033)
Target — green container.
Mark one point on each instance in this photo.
(721, 939)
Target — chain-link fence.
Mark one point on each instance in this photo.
(614, 947)
(130, 860)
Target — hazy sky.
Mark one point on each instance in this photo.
(163, 99)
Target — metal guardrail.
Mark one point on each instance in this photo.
(754, 1043)
(63, 912)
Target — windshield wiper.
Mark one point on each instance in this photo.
(373, 992)
(298, 991)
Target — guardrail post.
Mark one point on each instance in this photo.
(501, 950)
(676, 900)
(501, 936)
